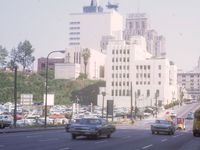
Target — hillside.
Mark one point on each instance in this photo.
(35, 84)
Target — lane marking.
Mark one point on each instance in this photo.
(55, 139)
(176, 136)
(100, 142)
(66, 148)
(163, 140)
(147, 146)
(32, 136)
(126, 137)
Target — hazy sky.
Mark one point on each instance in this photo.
(45, 24)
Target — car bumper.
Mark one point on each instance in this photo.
(85, 132)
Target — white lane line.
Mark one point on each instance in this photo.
(66, 148)
(55, 139)
(147, 146)
(33, 136)
(126, 137)
(100, 142)
(176, 136)
(163, 140)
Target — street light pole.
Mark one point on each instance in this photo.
(15, 95)
(46, 84)
(156, 97)
(131, 103)
(135, 104)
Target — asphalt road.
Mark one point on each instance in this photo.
(136, 137)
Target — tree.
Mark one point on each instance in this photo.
(3, 55)
(86, 55)
(13, 58)
(25, 51)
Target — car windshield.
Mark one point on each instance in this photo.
(90, 121)
(162, 122)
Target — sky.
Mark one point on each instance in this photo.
(45, 24)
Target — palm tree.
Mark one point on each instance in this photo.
(86, 56)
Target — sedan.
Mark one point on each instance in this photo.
(163, 126)
(91, 127)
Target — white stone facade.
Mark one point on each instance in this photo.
(74, 65)
(87, 29)
(129, 62)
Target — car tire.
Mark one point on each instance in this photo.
(152, 132)
(194, 134)
(73, 136)
(109, 135)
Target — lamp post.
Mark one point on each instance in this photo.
(102, 111)
(131, 103)
(46, 85)
(156, 97)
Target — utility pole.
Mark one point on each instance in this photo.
(131, 103)
(135, 104)
(156, 97)
(15, 95)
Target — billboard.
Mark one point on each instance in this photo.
(50, 99)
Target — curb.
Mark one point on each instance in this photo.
(16, 130)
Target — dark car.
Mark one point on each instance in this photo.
(163, 126)
(72, 121)
(91, 127)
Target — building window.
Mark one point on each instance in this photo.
(137, 75)
(128, 59)
(159, 82)
(138, 92)
(116, 67)
(140, 82)
(120, 93)
(148, 82)
(148, 93)
(113, 59)
(128, 93)
(145, 67)
(127, 83)
(116, 51)
(124, 93)
(120, 75)
(149, 67)
(120, 83)
(112, 83)
(120, 67)
(124, 75)
(127, 75)
(137, 83)
(124, 51)
(116, 75)
(128, 51)
(127, 67)
(145, 75)
(113, 75)
(124, 83)
(116, 83)
(112, 92)
(120, 59)
(113, 51)
(124, 59)
(137, 67)
(113, 67)
(148, 75)
(159, 75)
(120, 51)
(159, 67)
(116, 92)
(141, 67)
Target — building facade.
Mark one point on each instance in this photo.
(74, 65)
(51, 63)
(190, 81)
(128, 63)
(138, 24)
(87, 28)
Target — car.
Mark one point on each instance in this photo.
(190, 116)
(72, 121)
(5, 121)
(163, 126)
(91, 127)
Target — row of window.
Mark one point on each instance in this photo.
(192, 76)
(75, 22)
(120, 59)
(124, 75)
(120, 67)
(74, 33)
(74, 28)
(121, 51)
(74, 43)
(127, 93)
(74, 38)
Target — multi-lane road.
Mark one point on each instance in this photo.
(136, 137)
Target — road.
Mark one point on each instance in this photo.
(136, 137)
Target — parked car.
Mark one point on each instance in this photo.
(5, 121)
(91, 127)
(163, 126)
(190, 116)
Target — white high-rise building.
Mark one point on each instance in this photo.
(138, 24)
(129, 62)
(86, 29)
